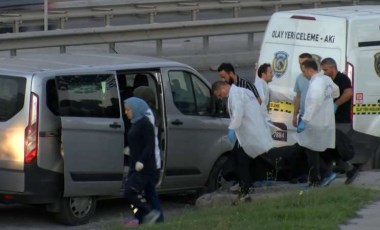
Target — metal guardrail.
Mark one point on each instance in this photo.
(60, 15)
(112, 35)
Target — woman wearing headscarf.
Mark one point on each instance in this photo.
(142, 164)
(146, 93)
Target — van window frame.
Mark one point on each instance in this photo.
(191, 76)
(89, 107)
(19, 96)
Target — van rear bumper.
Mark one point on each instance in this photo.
(31, 186)
(12, 180)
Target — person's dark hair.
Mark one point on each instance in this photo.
(328, 61)
(262, 69)
(305, 55)
(217, 85)
(227, 67)
(310, 64)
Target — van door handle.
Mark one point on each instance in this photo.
(115, 125)
(49, 134)
(177, 122)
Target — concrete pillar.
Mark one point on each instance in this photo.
(159, 47)
(206, 44)
(111, 48)
(13, 52)
(236, 12)
(250, 40)
(62, 49)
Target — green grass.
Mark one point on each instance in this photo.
(320, 208)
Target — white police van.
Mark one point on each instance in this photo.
(351, 36)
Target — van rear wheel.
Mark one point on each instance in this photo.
(76, 210)
(376, 158)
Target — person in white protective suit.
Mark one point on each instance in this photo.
(316, 131)
(265, 76)
(248, 126)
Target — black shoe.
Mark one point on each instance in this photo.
(298, 180)
(293, 180)
(302, 180)
(338, 169)
(242, 198)
(351, 175)
(315, 184)
(314, 181)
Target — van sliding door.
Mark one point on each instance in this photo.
(92, 133)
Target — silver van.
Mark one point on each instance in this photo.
(62, 129)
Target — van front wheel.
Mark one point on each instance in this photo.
(216, 180)
(76, 210)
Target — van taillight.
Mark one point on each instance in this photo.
(8, 197)
(350, 74)
(31, 131)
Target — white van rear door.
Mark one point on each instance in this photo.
(14, 114)
(92, 133)
(366, 84)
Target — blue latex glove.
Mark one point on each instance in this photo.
(335, 107)
(231, 136)
(300, 127)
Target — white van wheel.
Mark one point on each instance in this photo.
(76, 210)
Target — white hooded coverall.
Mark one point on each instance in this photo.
(248, 122)
(319, 117)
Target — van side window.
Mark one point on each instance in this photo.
(12, 96)
(190, 95)
(88, 96)
(52, 97)
(130, 81)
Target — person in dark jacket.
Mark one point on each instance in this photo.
(147, 94)
(142, 164)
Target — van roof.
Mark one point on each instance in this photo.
(34, 63)
(348, 12)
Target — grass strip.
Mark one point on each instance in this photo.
(319, 208)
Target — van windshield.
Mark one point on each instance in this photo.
(12, 95)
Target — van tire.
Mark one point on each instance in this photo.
(76, 210)
(215, 179)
